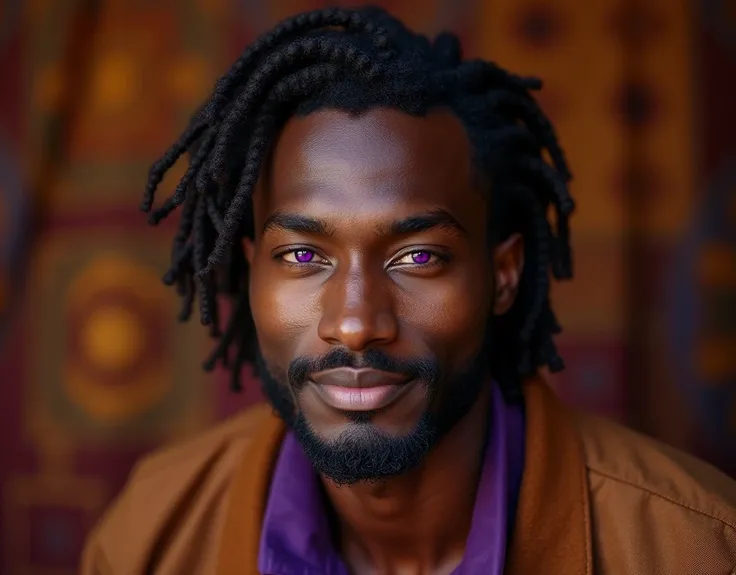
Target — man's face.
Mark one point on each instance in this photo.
(372, 286)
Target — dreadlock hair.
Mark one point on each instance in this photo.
(354, 60)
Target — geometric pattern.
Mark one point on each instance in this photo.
(10, 12)
(97, 370)
(568, 45)
(50, 518)
(557, 41)
(702, 311)
(114, 364)
(13, 214)
(721, 15)
(431, 16)
(594, 370)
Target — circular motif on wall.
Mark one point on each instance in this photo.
(116, 349)
(113, 337)
(538, 25)
(697, 307)
(190, 78)
(12, 232)
(116, 81)
(636, 105)
(109, 336)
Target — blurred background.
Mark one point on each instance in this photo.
(94, 369)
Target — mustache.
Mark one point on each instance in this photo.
(422, 368)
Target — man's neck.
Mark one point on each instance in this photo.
(419, 522)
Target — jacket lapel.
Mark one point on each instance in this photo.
(552, 529)
(241, 532)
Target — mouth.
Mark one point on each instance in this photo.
(347, 389)
(373, 398)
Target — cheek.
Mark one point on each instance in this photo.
(453, 311)
(283, 311)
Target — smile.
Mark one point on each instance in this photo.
(345, 398)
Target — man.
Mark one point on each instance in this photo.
(376, 207)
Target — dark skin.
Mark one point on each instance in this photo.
(353, 181)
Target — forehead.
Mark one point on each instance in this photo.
(380, 156)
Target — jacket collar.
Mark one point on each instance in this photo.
(552, 528)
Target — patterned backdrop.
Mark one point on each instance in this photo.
(94, 369)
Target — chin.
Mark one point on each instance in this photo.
(363, 425)
(352, 452)
(366, 423)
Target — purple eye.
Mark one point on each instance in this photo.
(303, 256)
(421, 257)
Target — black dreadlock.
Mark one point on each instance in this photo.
(354, 60)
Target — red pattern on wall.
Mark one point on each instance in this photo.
(94, 367)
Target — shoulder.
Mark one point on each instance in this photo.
(207, 450)
(176, 493)
(654, 500)
(642, 463)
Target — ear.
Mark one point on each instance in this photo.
(508, 260)
(249, 248)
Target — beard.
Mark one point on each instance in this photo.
(363, 452)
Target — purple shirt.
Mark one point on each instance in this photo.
(296, 537)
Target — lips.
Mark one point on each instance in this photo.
(348, 389)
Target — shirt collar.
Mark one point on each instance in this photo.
(296, 537)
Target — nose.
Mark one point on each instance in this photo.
(357, 312)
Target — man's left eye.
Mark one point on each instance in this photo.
(419, 257)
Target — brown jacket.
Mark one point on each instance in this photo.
(595, 498)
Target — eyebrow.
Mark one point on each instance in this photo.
(427, 221)
(415, 224)
(297, 223)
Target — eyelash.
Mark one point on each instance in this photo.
(439, 259)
